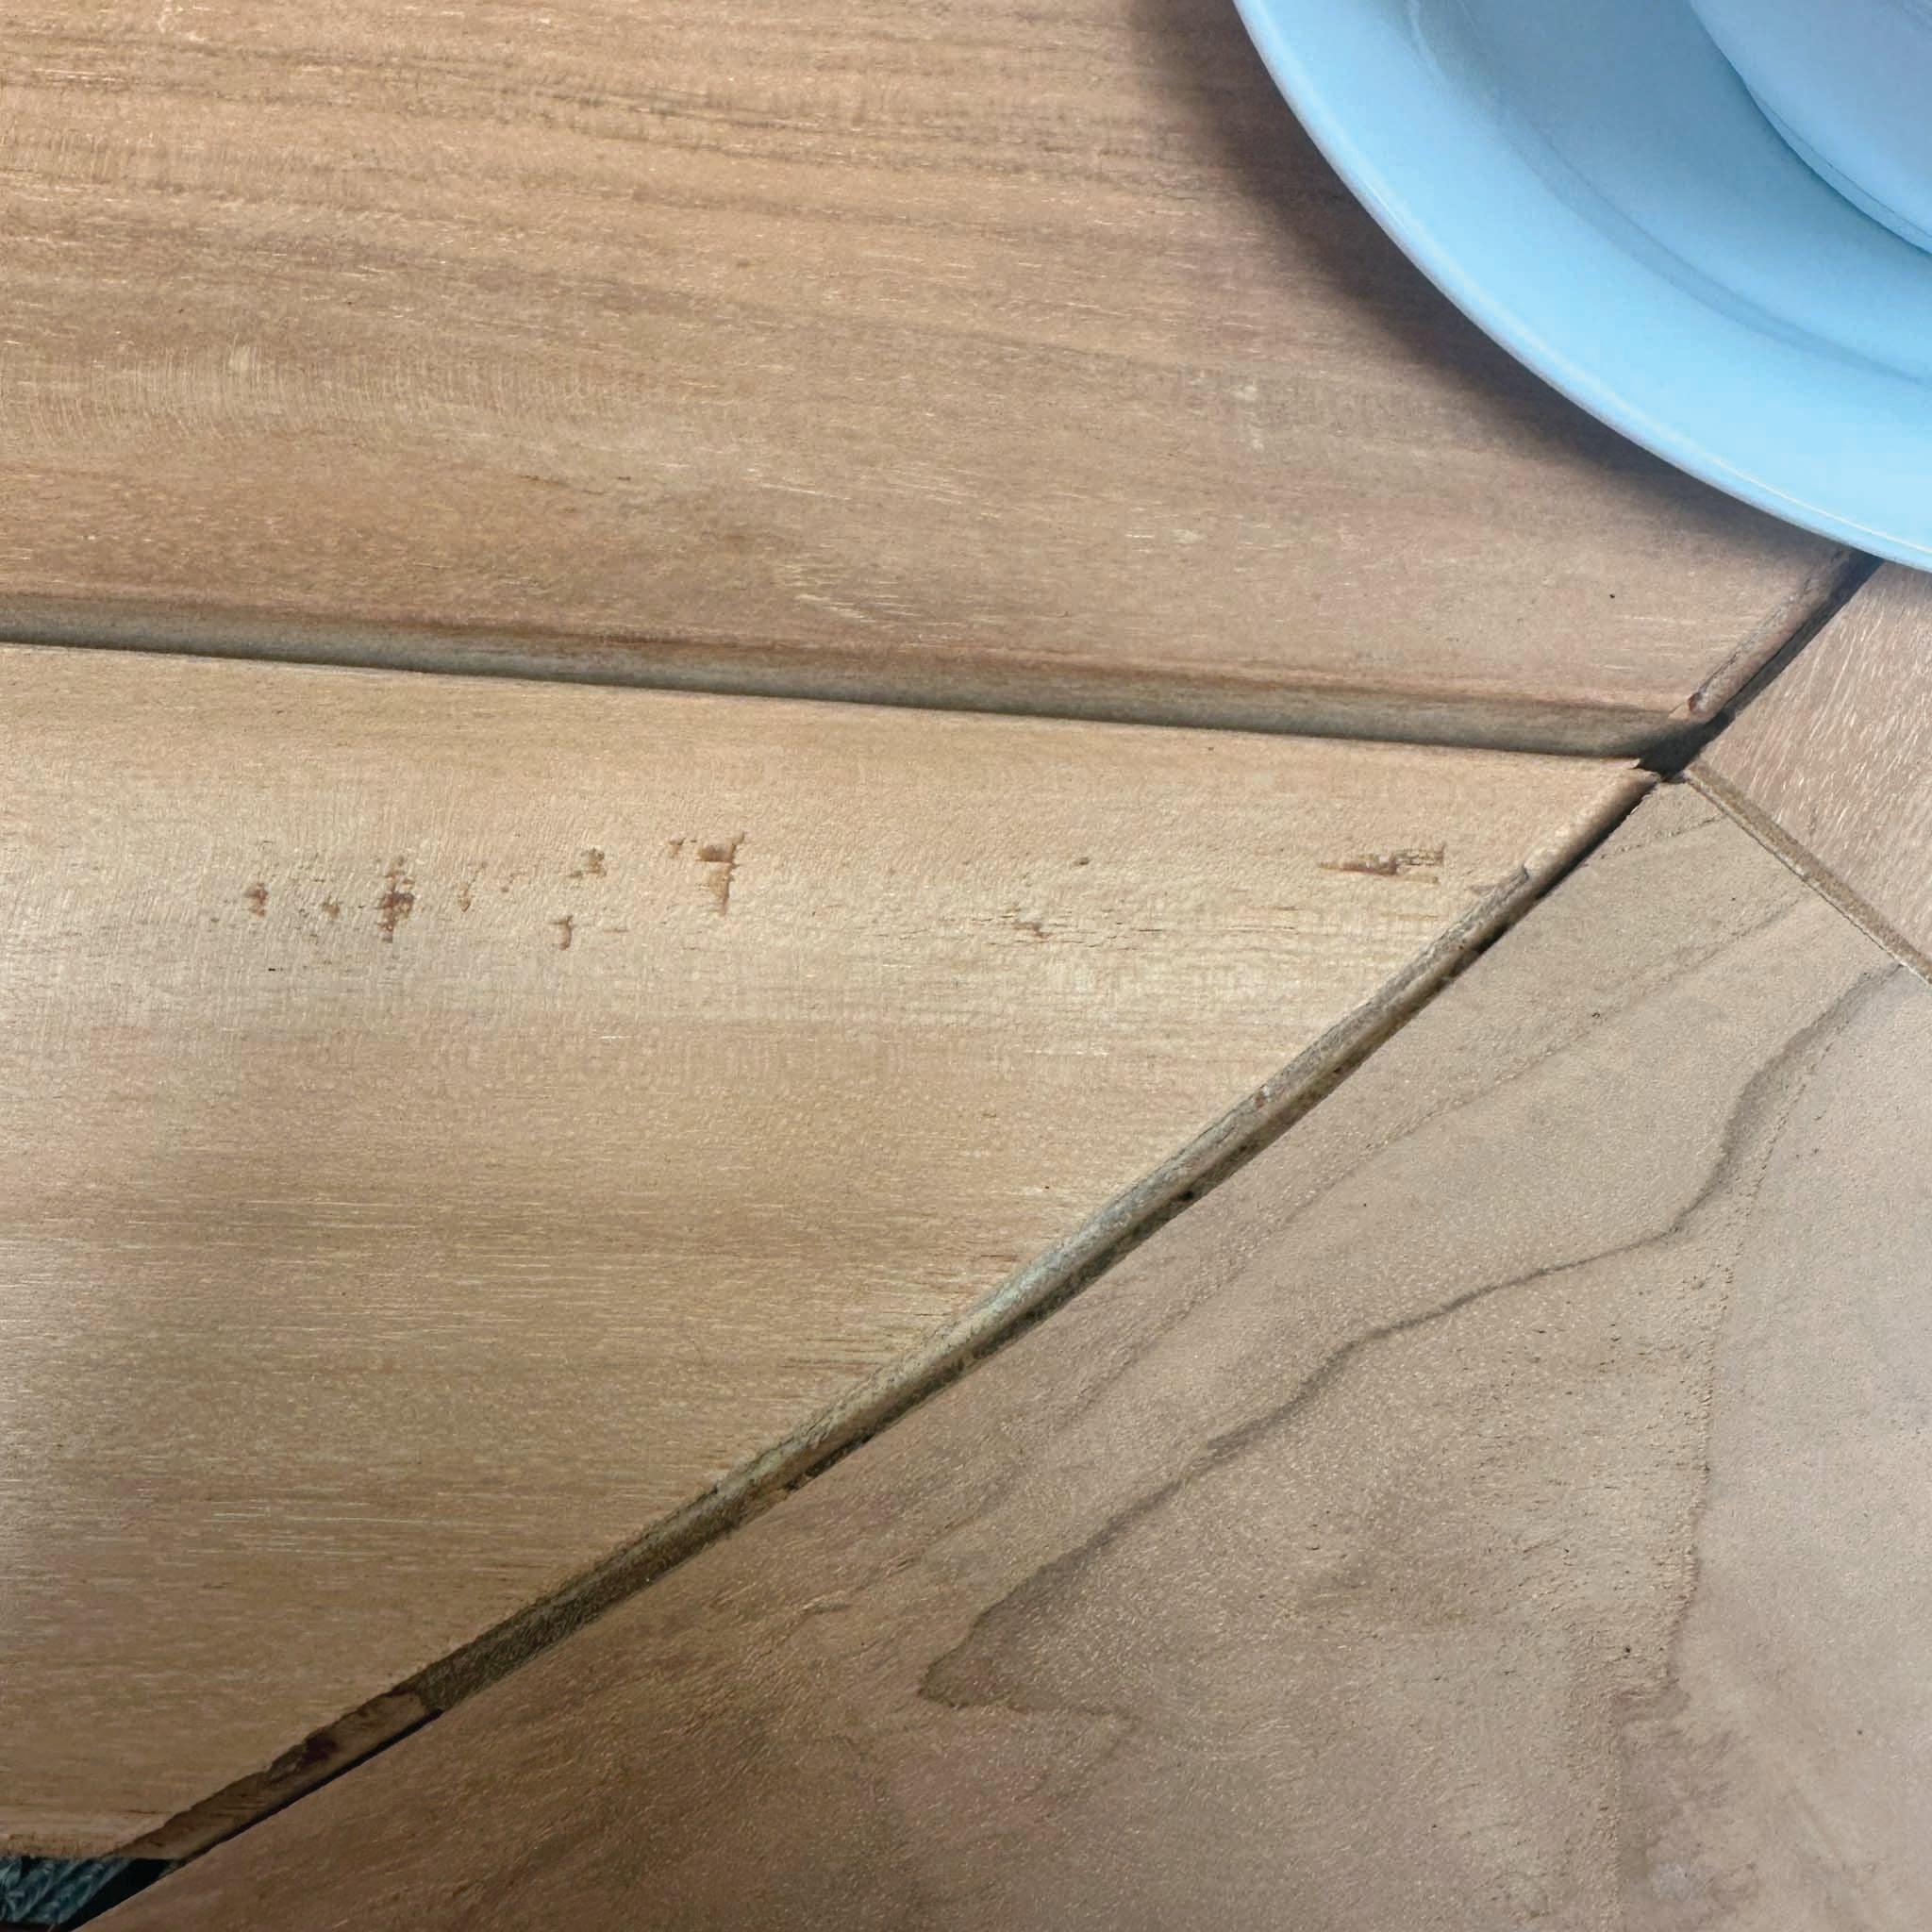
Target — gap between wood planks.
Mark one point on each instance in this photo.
(1684, 759)
(1144, 694)
(1739, 683)
(1772, 836)
(1033, 1293)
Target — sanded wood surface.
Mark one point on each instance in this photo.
(999, 355)
(446, 1124)
(1832, 764)
(1502, 1504)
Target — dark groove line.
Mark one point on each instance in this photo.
(1147, 696)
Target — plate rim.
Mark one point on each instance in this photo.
(1380, 190)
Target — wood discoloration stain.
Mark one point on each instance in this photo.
(589, 863)
(398, 900)
(565, 927)
(257, 896)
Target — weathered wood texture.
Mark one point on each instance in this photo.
(446, 1123)
(1346, 1556)
(1001, 356)
(1832, 764)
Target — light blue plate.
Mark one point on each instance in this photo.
(1589, 182)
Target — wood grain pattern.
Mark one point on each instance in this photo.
(1001, 357)
(448, 1124)
(1832, 764)
(1782, 1788)
(1450, 1523)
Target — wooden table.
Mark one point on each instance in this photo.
(536, 1020)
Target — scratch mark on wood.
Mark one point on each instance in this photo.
(1423, 862)
(723, 860)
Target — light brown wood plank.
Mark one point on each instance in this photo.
(995, 357)
(449, 1123)
(1832, 764)
(1500, 1504)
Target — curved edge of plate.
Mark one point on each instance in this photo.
(1433, 250)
